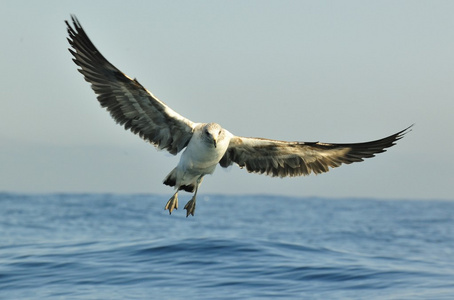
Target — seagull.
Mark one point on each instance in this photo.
(204, 145)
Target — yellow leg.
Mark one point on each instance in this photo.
(190, 206)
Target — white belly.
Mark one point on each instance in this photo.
(199, 159)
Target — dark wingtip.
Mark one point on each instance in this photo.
(401, 133)
(75, 20)
(76, 25)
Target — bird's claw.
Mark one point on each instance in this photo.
(190, 207)
(172, 204)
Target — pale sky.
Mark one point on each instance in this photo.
(329, 71)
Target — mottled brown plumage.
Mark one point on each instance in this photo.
(282, 159)
(205, 144)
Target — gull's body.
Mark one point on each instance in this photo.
(201, 156)
(204, 145)
(204, 151)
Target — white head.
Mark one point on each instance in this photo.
(212, 133)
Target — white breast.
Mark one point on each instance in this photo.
(202, 158)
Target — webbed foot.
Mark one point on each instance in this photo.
(190, 207)
(172, 203)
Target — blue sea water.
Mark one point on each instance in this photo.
(84, 246)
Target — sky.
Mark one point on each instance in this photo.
(329, 71)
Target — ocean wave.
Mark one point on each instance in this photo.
(113, 247)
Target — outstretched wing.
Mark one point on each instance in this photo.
(280, 158)
(128, 102)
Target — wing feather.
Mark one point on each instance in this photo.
(282, 159)
(127, 101)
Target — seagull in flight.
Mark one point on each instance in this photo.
(204, 145)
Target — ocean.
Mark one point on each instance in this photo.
(103, 246)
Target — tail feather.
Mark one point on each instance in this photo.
(188, 188)
(171, 180)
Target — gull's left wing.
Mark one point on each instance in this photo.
(280, 158)
(128, 102)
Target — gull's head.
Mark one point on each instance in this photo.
(212, 132)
